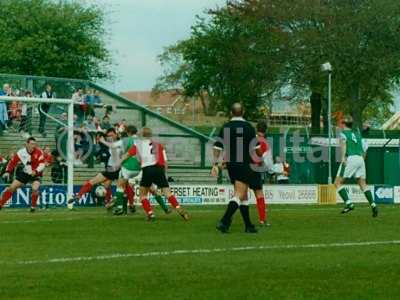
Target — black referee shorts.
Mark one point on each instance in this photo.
(156, 175)
(25, 178)
(244, 173)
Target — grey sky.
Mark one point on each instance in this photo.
(140, 30)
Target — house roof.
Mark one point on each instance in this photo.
(148, 99)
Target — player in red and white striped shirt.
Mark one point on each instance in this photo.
(32, 159)
(153, 160)
(265, 164)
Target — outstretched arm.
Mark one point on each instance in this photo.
(343, 149)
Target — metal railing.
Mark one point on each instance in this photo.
(186, 147)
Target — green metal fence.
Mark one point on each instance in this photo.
(189, 149)
(382, 161)
(185, 146)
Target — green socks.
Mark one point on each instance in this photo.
(369, 197)
(161, 202)
(121, 200)
(344, 195)
(125, 204)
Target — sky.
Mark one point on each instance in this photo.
(139, 31)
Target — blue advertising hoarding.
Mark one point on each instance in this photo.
(384, 194)
(54, 195)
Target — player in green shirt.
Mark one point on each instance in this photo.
(353, 151)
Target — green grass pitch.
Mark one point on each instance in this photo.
(309, 252)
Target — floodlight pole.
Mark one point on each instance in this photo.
(330, 126)
(327, 67)
(70, 152)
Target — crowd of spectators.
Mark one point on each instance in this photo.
(17, 116)
(88, 126)
(15, 113)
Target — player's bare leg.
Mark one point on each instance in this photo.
(174, 203)
(87, 187)
(35, 195)
(144, 192)
(341, 190)
(7, 193)
(368, 194)
(107, 185)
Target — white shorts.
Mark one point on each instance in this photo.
(355, 168)
(128, 174)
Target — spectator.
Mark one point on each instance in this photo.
(85, 140)
(89, 124)
(58, 169)
(78, 148)
(3, 109)
(48, 157)
(3, 165)
(26, 117)
(61, 135)
(11, 106)
(108, 109)
(281, 171)
(116, 127)
(97, 124)
(80, 104)
(77, 97)
(44, 108)
(97, 98)
(103, 153)
(14, 111)
(121, 130)
(91, 100)
(105, 125)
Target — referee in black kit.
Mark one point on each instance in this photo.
(238, 140)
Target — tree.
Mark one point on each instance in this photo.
(53, 38)
(254, 47)
(360, 43)
(224, 60)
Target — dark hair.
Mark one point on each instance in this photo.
(111, 130)
(27, 93)
(262, 126)
(131, 129)
(106, 116)
(100, 134)
(30, 140)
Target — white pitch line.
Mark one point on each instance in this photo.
(200, 251)
(56, 219)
